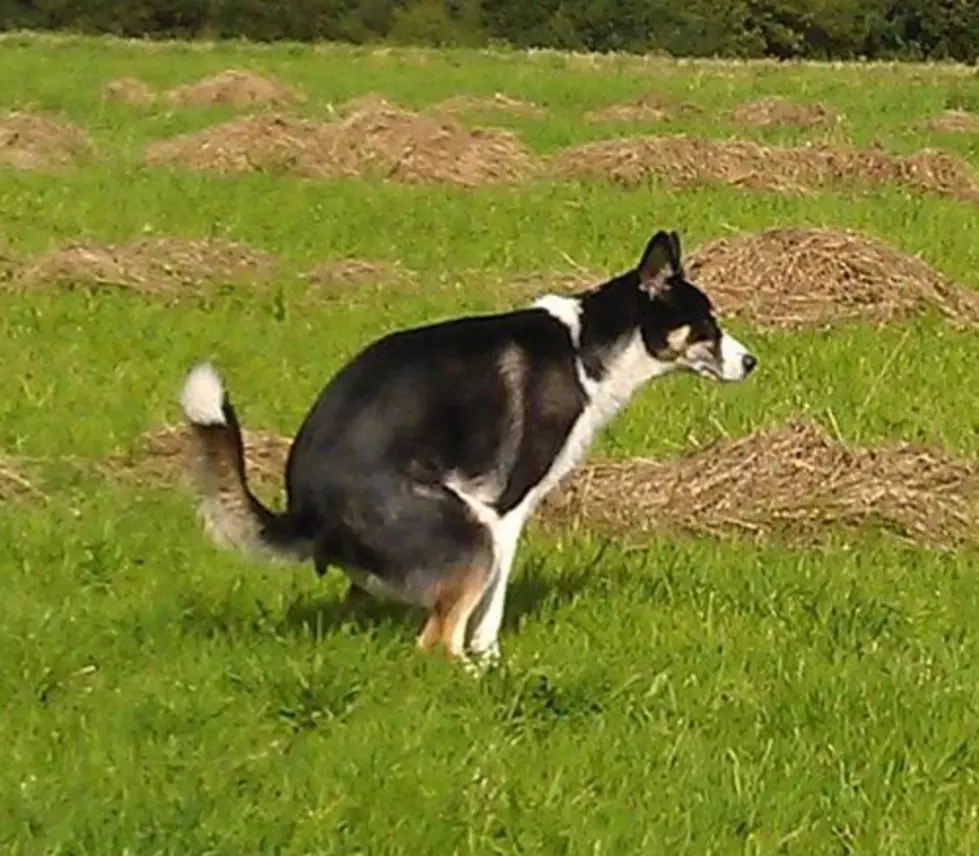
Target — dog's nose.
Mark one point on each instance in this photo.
(749, 362)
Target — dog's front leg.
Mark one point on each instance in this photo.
(488, 618)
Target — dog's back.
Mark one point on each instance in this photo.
(484, 401)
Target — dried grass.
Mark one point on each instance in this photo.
(682, 160)
(235, 87)
(775, 110)
(129, 90)
(955, 122)
(37, 141)
(158, 265)
(794, 277)
(793, 479)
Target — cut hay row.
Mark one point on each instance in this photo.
(786, 278)
(239, 88)
(381, 140)
(232, 86)
(762, 112)
(792, 480)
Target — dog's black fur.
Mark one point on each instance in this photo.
(381, 476)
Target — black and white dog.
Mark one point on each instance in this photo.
(421, 461)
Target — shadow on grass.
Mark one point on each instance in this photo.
(531, 594)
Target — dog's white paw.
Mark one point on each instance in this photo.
(489, 659)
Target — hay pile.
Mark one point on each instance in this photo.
(36, 141)
(498, 103)
(794, 277)
(793, 479)
(681, 160)
(164, 456)
(955, 122)
(650, 107)
(237, 88)
(156, 265)
(129, 90)
(775, 110)
(380, 140)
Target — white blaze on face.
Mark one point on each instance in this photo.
(736, 360)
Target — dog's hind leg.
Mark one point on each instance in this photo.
(415, 543)
(456, 598)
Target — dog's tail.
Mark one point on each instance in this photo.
(232, 515)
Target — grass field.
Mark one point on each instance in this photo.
(667, 694)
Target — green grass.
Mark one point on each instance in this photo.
(696, 696)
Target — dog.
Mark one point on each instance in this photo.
(417, 467)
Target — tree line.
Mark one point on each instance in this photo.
(785, 29)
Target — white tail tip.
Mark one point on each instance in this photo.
(203, 396)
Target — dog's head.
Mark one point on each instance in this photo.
(677, 322)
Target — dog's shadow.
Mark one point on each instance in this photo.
(530, 594)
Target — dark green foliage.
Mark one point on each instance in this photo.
(817, 29)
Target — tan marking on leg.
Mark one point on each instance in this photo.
(457, 600)
(431, 632)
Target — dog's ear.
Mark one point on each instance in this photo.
(657, 263)
(677, 258)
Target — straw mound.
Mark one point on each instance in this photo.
(650, 107)
(793, 479)
(236, 87)
(680, 160)
(165, 455)
(955, 122)
(129, 90)
(793, 277)
(775, 110)
(384, 141)
(36, 141)
(150, 265)
(498, 103)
